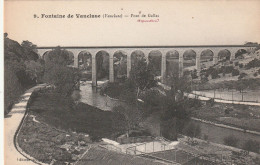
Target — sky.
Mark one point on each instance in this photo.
(224, 22)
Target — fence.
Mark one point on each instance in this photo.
(138, 139)
(111, 147)
(249, 96)
(149, 147)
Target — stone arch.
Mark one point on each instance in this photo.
(136, 56)
(102, 65)
(155, 60)
(172, 63)
(206, 58)
(45, 55)
(85, 64)
(240, 53)
(189, 59)
(224, 55)
(120, 65)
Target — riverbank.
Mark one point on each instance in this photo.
(57, 130)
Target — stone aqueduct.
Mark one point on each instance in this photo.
(128, 50)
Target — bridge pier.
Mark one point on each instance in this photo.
(181, 63)
(94, 71)
(198, 56)
(163, 68)
(111, 68)
(128, 65)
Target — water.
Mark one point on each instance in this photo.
(90, 95)
(215, 134)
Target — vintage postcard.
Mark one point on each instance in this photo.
(131, 82)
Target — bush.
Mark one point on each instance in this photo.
(235, 72)
(252, 146)
(169, 129)
(242, 75)
(231, 141)
(192, 130)
(252, 64)
(255, 74)
(236, 63)
(241, 65)
(210, 102)
(228, 69)
(196, 103)
(228, 110)
(214, 74)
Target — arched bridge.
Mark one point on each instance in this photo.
(146, 50)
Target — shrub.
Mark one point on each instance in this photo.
(236, 63)
(228, 110)
(252, 64)
(242, 75)
(241, 65)
(255, 74)
(169, 129)
(204, 79)
(228, 69)
(231, 141)
(210, 102)
(252, 146)
(214, 74)
(192, 130)
(194, 103)
(235, 72)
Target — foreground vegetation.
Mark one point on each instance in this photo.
(22, 69)
(61, 112)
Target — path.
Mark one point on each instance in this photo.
(11, 128)
(203, 98)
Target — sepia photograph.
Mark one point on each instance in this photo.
(131, 82)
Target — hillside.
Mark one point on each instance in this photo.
(246, 66)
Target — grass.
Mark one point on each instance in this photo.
(44, 142)
(56, 130)
(242, 116)
(62, 113)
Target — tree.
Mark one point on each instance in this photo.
(179, 85)
(30, 50)
(35, 70)
(12, 88)
(59, 74)
(58, 56)
(131, 115)
(142, 76)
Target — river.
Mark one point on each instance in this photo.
(215, 134)
(90, 95)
